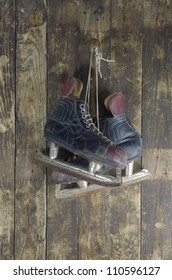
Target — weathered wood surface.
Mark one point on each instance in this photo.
(93, 212)
(7, 128)
(126, 76)
(157, 133)
(52, 40)
(62, 49)
(104, 230)
(30, 199)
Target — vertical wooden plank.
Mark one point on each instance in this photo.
(30, 200)
(94, 227)
(124, 223)
(156, 220)
(126, 47)
(109, 223)
(63, 45)
(94, 23)
(157, 133)
(7, 127)
(94, 212)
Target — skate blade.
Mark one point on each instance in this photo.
(80, 173)
(98, 182)
(72, 193)
(137, 177)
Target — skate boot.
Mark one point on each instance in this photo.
(71, 127)
(119, 129)
(121, 132)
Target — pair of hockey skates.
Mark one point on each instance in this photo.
(112, 147)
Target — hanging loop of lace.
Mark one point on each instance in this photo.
(87, 94)
(98, 58)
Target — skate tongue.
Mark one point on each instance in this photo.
(116, 104)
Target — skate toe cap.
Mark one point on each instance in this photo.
(117, 156)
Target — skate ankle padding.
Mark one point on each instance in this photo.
(76, 92)
(115, 103)
(73, 87)
(69, 86)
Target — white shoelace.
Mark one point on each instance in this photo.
(98, 58)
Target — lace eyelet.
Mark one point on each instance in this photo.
(82, 106)
(87, 125)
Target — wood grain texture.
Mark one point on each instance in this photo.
(30, 200)
(157, 14)
(94, 227)
(126, 76)
(62, 47)
(93, 240)
(109, 225)
(157, 133)
(156, 220)
(101, 234)
(126, 47)
(7, 128)
(124, 223)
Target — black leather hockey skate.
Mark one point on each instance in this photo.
(120, 131)
(118, 128)
(70, 126)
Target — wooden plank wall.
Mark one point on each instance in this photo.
(30, 193)
(40, 43)
(7, 128)
(157, 132)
